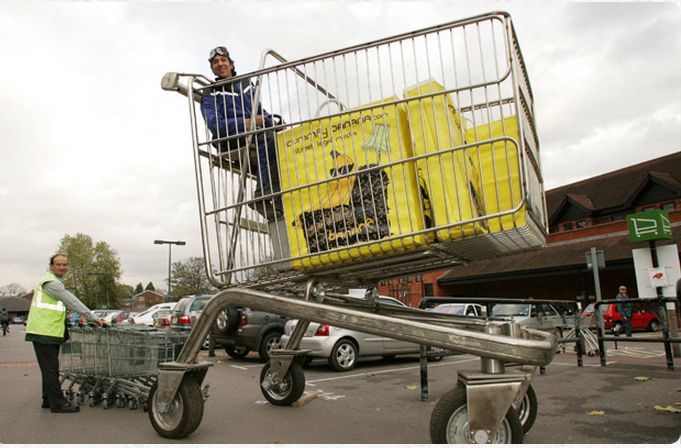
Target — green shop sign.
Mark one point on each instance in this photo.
(649, 225)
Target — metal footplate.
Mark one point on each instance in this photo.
(489, 397)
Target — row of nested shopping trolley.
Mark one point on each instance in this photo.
(115, 366)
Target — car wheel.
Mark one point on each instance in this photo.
(343, 356)
(269, 342)
(227, 321)
(237, 352)
(653, 325)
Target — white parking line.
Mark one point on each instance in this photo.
(238, 367)
(357, 375)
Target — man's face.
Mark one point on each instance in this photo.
(623, 290)
(60, 266)
(222, 67)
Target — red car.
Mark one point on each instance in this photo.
(640, 319)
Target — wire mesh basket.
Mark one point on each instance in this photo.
(407, 154)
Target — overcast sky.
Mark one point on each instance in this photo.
(89, 142)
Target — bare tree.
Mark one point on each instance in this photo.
(13, 289)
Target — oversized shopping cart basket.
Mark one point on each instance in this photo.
(404, 155)
(115, 364)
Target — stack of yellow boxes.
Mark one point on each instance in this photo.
(344, 195)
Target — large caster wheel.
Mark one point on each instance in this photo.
(183, 415)
(527, 411)
(343, 356)
(449, 421)
(282, 392)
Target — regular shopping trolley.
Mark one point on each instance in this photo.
(115, 366)
(404, 155)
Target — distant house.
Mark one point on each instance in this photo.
(15, 306)
(144, 300)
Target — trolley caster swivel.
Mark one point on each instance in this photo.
(176, 401)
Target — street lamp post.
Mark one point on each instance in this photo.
(170, 245)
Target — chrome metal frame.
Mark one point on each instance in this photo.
(251, 257)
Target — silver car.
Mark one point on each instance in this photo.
(343, 347)
(541, 316)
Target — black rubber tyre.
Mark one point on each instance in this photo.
(268, 342)
(653, 325)
(287, 391)
(449, 421)
(237, 352)
(185, 412)
(226, 322)
(343, 356)
(527, 411)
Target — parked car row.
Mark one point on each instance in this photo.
(241, 330)
(147, 316)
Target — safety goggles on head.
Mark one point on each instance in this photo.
(222, 51)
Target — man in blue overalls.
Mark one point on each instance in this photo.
(228, 111)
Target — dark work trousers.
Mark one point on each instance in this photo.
(48, 360)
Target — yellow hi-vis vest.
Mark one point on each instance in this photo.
(47, 314)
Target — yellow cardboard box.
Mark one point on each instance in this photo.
(500, 169)
(344, 194)
(451, 179)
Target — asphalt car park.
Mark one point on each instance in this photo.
(378, 402)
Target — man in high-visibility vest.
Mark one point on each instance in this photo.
(46, 328)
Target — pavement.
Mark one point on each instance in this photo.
(634, 399)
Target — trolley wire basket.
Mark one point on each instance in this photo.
(407, 154)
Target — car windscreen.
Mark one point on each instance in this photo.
(450, 309)
(199, 303)
(510, 309)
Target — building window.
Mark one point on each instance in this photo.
(567, 226)
(668, 206)
(581, 223)
(618, 217)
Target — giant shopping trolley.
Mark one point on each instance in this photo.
(115, 366)
(408, 154)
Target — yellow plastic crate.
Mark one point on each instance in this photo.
(500, 169)
(451, 179)
(340, 213)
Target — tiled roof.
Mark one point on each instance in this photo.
(615, 190)
(569, 254)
